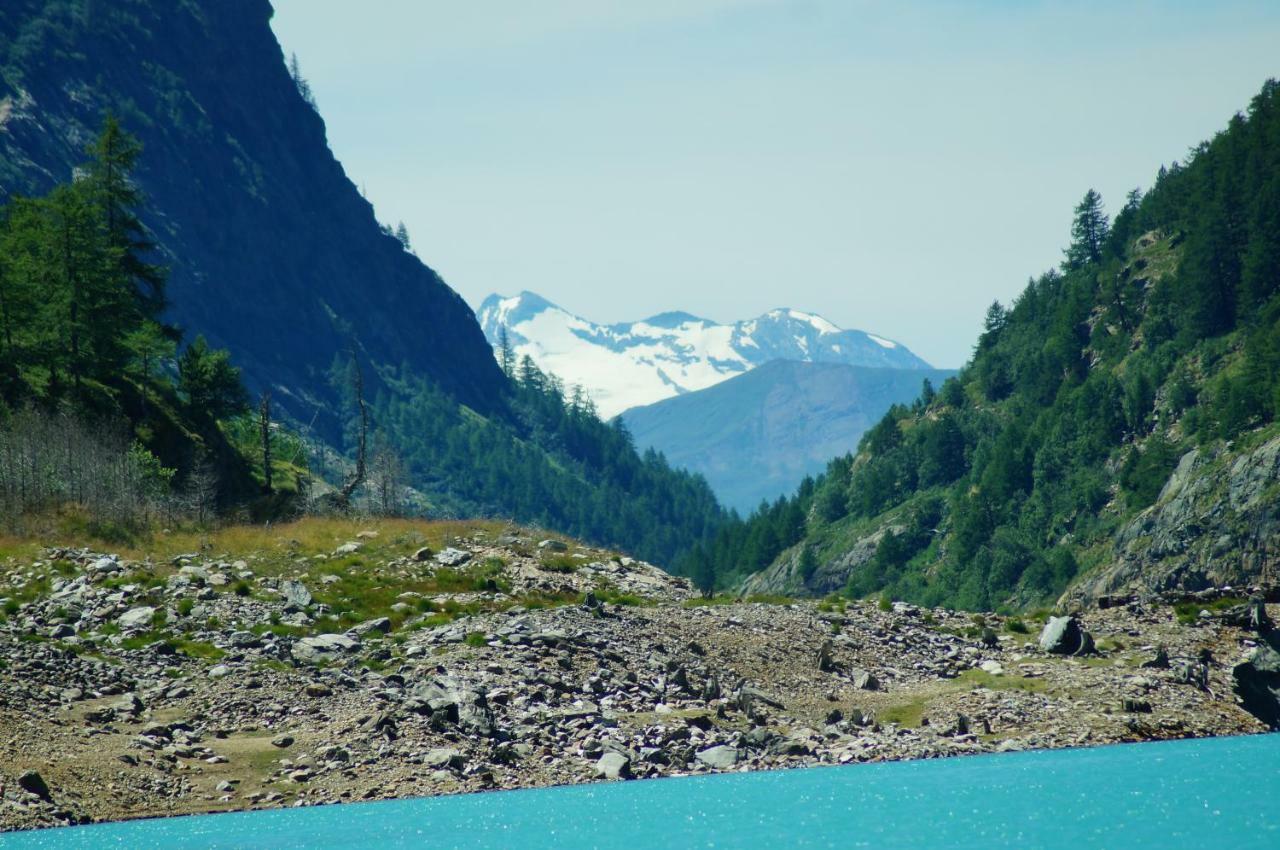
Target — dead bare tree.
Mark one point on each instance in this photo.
(387, 478)
(264, 431)
(362, 434)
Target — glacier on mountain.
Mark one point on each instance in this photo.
(629, 364)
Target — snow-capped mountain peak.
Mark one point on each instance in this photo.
(636, 363)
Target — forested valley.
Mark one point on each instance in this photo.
(1158, 332)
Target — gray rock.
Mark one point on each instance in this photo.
(423, 554)
(381, 625)
(296, 595)
(1160, 662)
(1063, 636)
(552, 546)
(136, 619)
(282, 741)
(613, 765)
(1256, 681)
(244, 640)
(347, 549)
(105, 565)
(444, 758)
(33, 783)
(219, 671)
(323, 649)
(824, 656)
(722, 757)
(865, 681)
(452, 557)
(453, 701)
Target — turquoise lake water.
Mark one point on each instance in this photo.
(1205, 794)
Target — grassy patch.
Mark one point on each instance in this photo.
(983, 679)
(199, 649)
(560, 564)
(610, 594)
(908, 714)
(1188, 613)
(727, 599)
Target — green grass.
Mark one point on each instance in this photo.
(607, 593)
(729, 599)
(983, 679)
(908, 714)
(1188, 613)
(142, 641)
(476, 639)
(199, 649)
(560, 564)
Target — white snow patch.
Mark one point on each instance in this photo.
(881, 341)
(815, 321)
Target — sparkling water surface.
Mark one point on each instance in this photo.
(1204, 794)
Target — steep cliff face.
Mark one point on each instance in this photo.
(273, 252)
(1216, 523)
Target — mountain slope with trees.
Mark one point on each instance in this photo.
(1052, 455)
(272, 254)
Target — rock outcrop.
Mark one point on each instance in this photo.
(1216, 523)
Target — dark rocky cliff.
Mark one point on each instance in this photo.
(273, 252)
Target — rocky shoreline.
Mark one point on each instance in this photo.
(398, 664)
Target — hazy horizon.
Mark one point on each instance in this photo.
(725, 157)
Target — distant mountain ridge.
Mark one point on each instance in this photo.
(633, 364)
(756, 436)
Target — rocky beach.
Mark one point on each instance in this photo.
(331, 662)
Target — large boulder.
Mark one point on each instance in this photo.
(296, 596)
(33, 783)
(454, 701)
(1256, 681)
(452, 557)
(613, 765)
(323, 649)
(722, 757)
(136, 619)
(1063, 636)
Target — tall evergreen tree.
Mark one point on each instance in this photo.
(506, 354)
(1088, 232)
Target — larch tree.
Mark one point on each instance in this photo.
(1089, 230)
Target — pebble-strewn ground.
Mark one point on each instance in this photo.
(375, 669)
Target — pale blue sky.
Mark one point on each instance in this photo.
(892, 166)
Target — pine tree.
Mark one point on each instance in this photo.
(109, 180)
(1088, 232)
(402, 234)
(506, 355)
(209, 382)
(304, 87)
